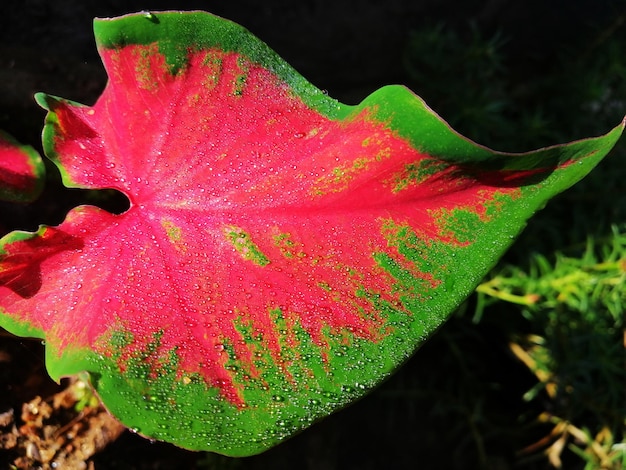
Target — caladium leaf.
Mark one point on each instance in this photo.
(282, 254)
(21, 171)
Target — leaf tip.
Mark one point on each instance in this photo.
(42, 99)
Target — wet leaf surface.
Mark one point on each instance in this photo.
(282, 253)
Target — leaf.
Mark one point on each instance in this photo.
(21, 171)
(282, 254)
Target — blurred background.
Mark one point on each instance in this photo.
(530, 372)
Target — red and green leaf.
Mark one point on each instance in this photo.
(21, 171)
(282, 254)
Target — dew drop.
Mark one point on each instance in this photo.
(150, 17)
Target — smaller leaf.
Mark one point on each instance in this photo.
(21, 171)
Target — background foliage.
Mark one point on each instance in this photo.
(530, 372)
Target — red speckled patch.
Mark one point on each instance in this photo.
(244, 202)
